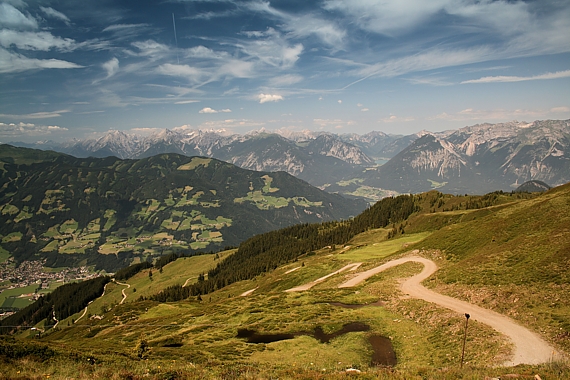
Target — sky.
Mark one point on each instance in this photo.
(76, 69)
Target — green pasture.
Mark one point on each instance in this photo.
(16, 292)
(380, 250)
(12, 237)
(196, 161)
(262, 201)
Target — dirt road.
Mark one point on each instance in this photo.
(123, 291)
(529, 347)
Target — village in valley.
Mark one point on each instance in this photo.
(30, 280)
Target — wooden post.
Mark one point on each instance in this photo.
(464, 338)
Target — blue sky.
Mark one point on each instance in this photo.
(75, 69)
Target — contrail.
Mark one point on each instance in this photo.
(175, 38)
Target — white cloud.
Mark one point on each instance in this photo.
(121, 27)
(191, 73)
(495, 79)
(187, 101)
(397, 17)
(396, 119)
(303, 25)
(204, 52)
(504, 17)
(43, 41)
(264, 98)
(50, 12)
(13, 63)
(37, 115)
(487, 30)
(151, 48)
(430, 81)
(209, 15)
(23, 130)
(364, 110)
(387, 16)
(111, 67)
(560, 109)
(237, 69)
(210, 110)
(429, 60)
(10, 17)
(268, 50)
(339, 101)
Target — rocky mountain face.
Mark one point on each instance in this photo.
(378, 144)
(533, 187)
(480, 158)
(316, 158)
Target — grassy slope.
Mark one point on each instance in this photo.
(522, 273)
(515, 261)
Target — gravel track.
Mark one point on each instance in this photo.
(529, 348)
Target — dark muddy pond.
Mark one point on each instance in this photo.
(383, 352)
(253, 337)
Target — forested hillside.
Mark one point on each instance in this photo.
(107, 212)
(64, 301)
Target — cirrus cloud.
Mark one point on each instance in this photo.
(37, 115)
(497, 79)
(50, 12)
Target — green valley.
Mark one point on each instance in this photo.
(233, 315)
(107, 213)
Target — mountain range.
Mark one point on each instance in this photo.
(475, 159)
(316, 157)
(479, 159)
(110, 211)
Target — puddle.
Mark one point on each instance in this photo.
(383, 351)
(254, 337)
(384, 354)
